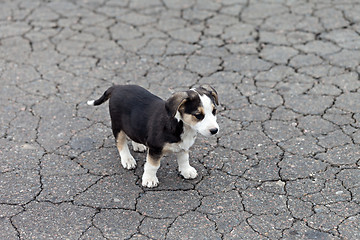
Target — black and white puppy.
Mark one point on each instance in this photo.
(161, 126)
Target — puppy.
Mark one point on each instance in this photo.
(161, 126)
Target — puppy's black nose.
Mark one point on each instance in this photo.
(214, 131)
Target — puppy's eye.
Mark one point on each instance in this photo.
(214, 111)
(199, 116)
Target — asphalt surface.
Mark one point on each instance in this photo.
(285, 164)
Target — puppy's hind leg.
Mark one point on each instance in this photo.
(151, 166)
(127, 160)
(138, 147)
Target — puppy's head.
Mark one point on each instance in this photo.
(196, 108)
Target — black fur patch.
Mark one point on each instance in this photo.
(192, 104)
(143, 117)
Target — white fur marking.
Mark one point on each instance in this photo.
(187, 140)
(138, 147)
(185, 169)
(91, 102)
(149, 178)
(209, 121)
(127, 160)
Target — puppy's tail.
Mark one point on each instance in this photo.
(102, 99)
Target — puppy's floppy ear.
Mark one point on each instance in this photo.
(174, 102)
(212, 91)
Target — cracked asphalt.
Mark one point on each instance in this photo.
(285, 164)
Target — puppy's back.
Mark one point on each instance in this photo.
(131, 98)
(132, 108)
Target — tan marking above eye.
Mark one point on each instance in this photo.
(189, 119)
(201, 112)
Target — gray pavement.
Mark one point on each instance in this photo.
(285, 164)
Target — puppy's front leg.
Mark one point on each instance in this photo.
(151, 166)
(185, 169)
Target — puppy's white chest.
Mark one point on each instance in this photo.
(187, 140)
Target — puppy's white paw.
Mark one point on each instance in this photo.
(189, 172)
(128, 162)
(149, 181)
(137, 147)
